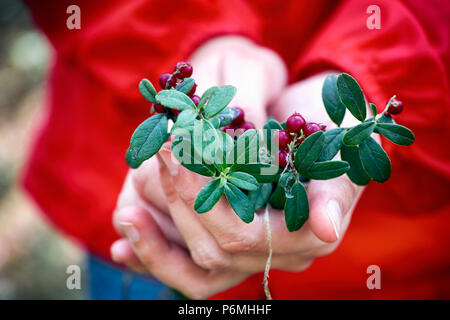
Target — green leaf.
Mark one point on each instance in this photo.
(206, 140)
(246, 148)
(175, 99)
(243, 180)
(263, 172)
(147, 90)
(333, 143)
(278, 198)
(375, 160)
(240, 203)
(309, 150)
(183, 150)
(357, 173)
(374, 109)
(185, 119)
(287, 180)
(226, 116)
(269, 130)
(186, 85)
(356, 135)
(385, 118)
(206, 95)
(224, 149)
(219, 100)
(352, 96)
(260, 196)
(296, 209)
(147, 139)
(396, 133)
(333, 104)
(326, 170)
(208, 196)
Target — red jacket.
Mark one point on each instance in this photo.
(77, 167)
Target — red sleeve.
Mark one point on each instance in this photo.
(408, 56)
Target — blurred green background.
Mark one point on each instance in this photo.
(33, 257)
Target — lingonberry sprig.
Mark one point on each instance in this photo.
(214, 140)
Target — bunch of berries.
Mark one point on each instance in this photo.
(167, 80)
(297, 129)
(395, 106)
(239, 125)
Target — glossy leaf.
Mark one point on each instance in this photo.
(240, 203)
(246, 148)
(260, 196)
(375, 160)
(296, 209)
(147, 139)
(185, 119)
(208, 196)
(333, 143)
(263, 172)
(396, 133)
(326, 170)
(356, 173)
(269, 129)
(186, 85)
(352, 96)
(356, 135)
(219, 100)
(226, 116)
(374, 109)
(243, 180)
(309, 150)
(278, 198)
(147, 90)
(206, 96)
(175, 99)
(183, 150)
(333, 104)
(206, 140)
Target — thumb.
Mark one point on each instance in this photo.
(331, 205)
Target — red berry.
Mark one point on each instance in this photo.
(295, 123)
(175, 111)
(395, 107)
(322, 127)
(195, 99)
(159, 108)
(164, 81)
(184, 70)
(282, 158)
(240, 117)
(191, 93)
(282, 138)
(311, 128)
(247, 125)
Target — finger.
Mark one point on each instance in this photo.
(203, 247)
(130, 197)
(331, 202)
(122, 252)
(168, 262)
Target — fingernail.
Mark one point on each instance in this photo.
(130, 231)
(335, 215)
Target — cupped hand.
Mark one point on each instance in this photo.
(155, 239)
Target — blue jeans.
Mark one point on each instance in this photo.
(108, 282)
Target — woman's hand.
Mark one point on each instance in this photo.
(145, 218)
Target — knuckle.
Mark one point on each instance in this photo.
(209, 259)
(238, 242)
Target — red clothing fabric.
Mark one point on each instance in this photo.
(77, 167)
